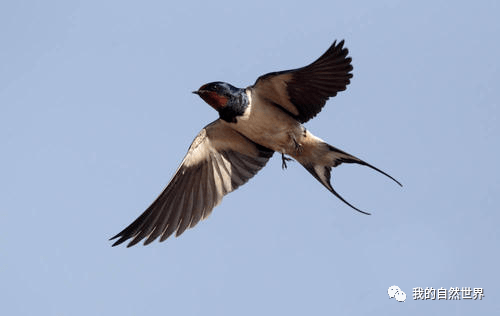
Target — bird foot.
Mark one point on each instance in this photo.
(284, 160)
(298, 147)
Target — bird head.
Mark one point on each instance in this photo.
(216, 94)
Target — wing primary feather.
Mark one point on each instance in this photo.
(200, 202)
(174, 209)
(163, 212)
(209, 191)
(185, 218)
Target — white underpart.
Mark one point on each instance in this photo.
(320, 171)
(246, 114)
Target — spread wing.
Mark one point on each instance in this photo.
(303, 92)
(218, 161)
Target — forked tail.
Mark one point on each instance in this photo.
(322, 157)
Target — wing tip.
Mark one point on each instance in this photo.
(117, 242)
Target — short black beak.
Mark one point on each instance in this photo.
(196, 92)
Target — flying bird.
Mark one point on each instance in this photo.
(253, 123)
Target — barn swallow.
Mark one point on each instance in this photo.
(253, 123)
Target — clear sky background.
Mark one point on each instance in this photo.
(96, 113)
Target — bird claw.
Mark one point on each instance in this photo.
(284, 160)
(298, 147)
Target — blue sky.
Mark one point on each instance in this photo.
(96, 113)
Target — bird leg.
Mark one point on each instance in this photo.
(298, 147)
(284, 160)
